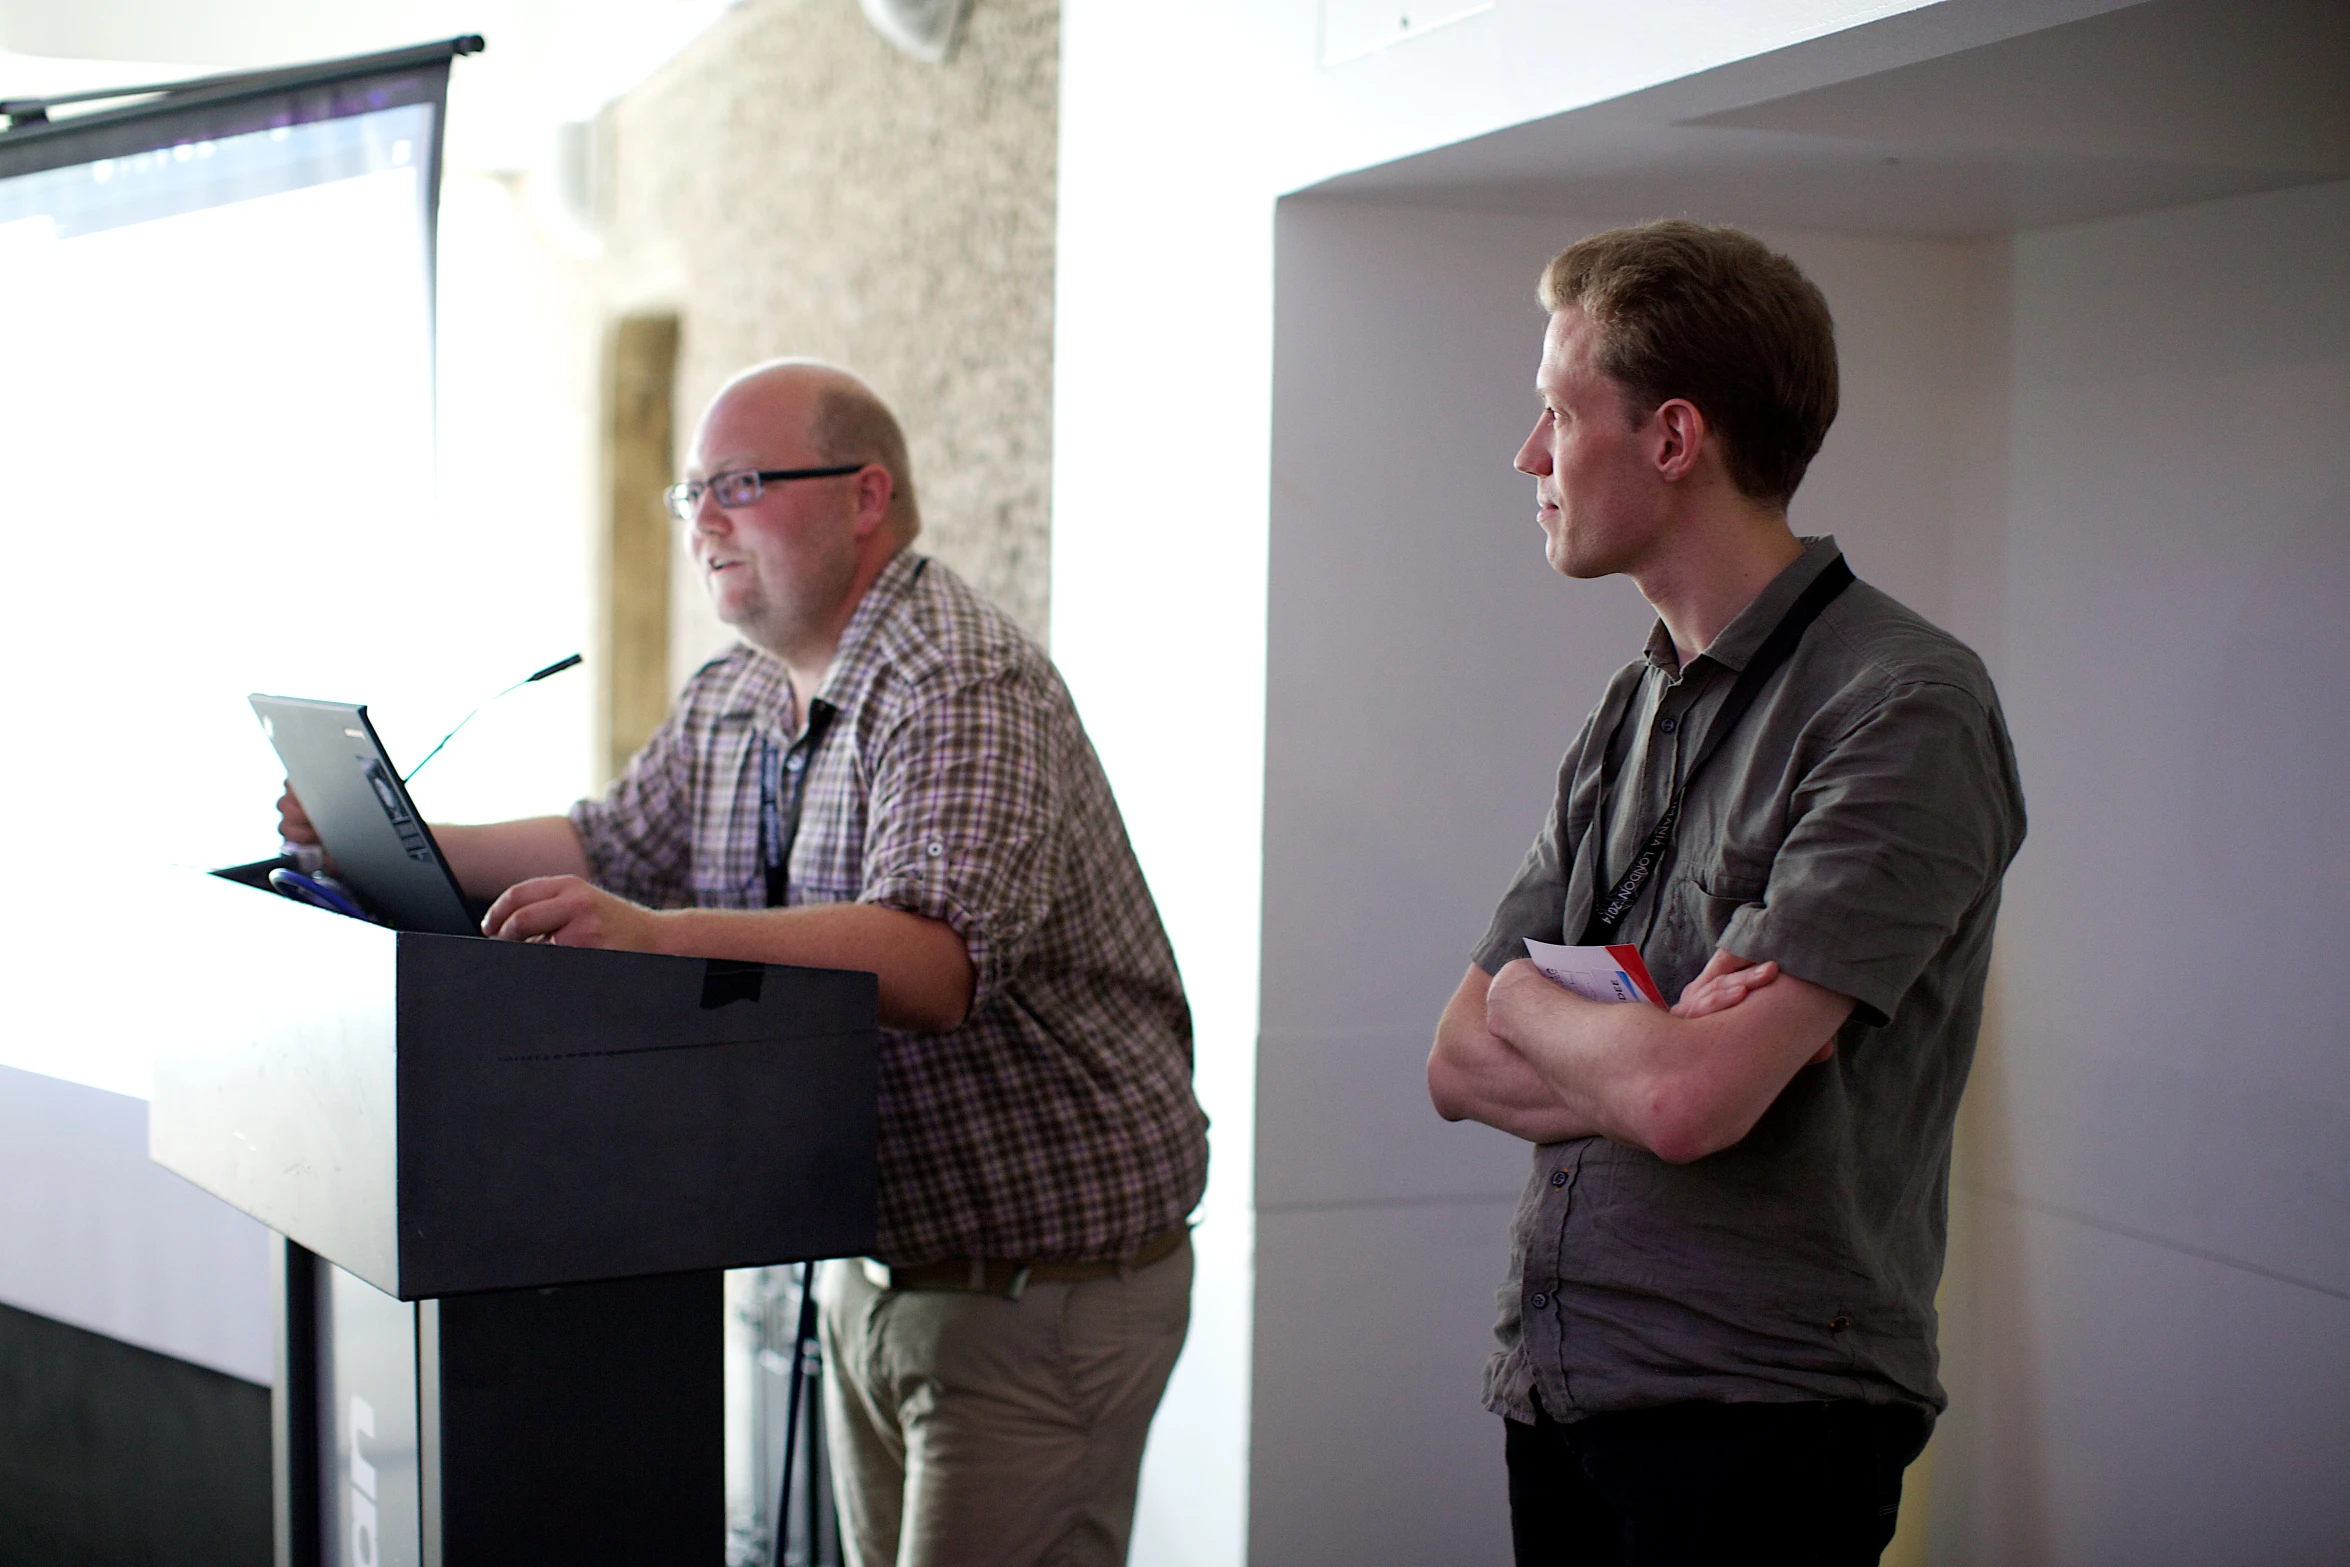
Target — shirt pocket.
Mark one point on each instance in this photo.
(1719, 888)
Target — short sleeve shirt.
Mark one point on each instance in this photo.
(1854, 828)
(954, 782)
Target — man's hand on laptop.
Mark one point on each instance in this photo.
(293, 825)
(566, 911)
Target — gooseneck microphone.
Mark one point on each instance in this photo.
(555, 668)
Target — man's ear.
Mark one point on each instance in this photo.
(1681, 432)
(875, 487)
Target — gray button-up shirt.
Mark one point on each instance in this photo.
(1854, 828)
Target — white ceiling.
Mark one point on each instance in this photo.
(548, 61)
(2146, 106)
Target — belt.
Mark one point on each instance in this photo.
(996, 1276)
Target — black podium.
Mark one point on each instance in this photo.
(508, 1177)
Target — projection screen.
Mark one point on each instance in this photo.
(216, 463)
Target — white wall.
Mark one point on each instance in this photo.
(2149, 1304)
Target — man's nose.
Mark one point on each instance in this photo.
(709, 516)
(1534, 456)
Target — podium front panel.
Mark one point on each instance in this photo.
(570, 1114)
(275, 1086)
(440, 1115)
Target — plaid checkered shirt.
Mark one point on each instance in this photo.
(1058, 1122)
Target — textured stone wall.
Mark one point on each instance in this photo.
(791, 184)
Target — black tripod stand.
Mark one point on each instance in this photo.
(819, 1542)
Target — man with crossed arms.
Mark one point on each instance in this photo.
(996, 1368)
(1717, 1340)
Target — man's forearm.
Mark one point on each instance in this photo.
(1474, 1076)
(1679, 1087)
(925, 971)
(1609, 1066)
(928, 980)
(489, 858)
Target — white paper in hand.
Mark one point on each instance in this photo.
(1597, 973)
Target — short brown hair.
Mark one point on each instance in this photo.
(1715, 316)
(850, 423)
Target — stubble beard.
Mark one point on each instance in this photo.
(783, 619)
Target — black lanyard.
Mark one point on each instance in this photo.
(779, 813)
(1609, 914)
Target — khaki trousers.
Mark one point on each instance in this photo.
(978, 1431)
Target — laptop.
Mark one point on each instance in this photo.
(382, 850)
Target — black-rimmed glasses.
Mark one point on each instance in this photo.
(741, 486)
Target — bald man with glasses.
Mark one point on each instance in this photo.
(886, 774)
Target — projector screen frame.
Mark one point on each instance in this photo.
(212, 108)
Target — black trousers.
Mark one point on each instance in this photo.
(1711, 1483)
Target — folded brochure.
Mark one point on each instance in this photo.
(1597, 973)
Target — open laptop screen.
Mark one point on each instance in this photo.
(381, 847)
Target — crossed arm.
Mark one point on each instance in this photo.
(1522, 1054)
(536, 871)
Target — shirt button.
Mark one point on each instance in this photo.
(1668, 725)
(1539, 1301)
(1558, 1177)
(794, 762)
(934, 850)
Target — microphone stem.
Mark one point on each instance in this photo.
(555, 668)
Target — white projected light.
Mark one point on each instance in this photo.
(217, 423)
(216, 458)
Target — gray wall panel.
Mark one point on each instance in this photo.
(1353, 1126)
(2116, 1401)
(2180, 559)
(1370, 1442)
